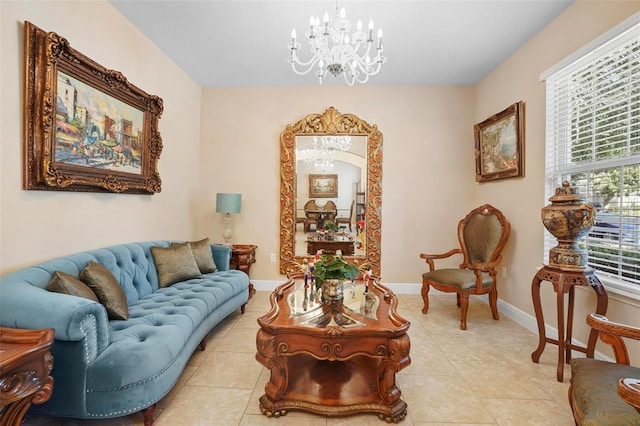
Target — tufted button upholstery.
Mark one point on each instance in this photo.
(160, 322)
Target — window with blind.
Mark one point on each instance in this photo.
(593, 141)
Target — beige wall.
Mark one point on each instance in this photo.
(428, 164)
(39, 225)
(428, 167)
(518, 78)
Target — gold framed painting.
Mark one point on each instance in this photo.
(323, 186)
(86, 127)
(499, 145)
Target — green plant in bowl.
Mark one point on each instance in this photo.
(334, 267)
(331, 226)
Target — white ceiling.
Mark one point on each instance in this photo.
(431, 42)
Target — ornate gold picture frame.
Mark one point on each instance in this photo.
(499, 142)
(86, 128)
(323, 186)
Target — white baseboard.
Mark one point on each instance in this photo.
(519, 316)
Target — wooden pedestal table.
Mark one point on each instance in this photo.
(25, 364)
(335, 358)
(564, 281)
(242, 257)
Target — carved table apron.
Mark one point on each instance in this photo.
(331, 359)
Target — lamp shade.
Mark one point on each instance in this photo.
(228, 203)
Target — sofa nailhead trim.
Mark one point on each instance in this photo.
(131, 385)
(132, 410)
(94, 325)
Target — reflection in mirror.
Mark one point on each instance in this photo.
(330, 171)
(330, 160)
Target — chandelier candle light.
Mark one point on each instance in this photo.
(227, 204)
(336, 51)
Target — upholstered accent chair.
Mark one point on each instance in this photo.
(332, 211)
(601, 392)
(482, 234)
(347, 220)
(311, 217)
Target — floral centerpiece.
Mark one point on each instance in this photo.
(330, 226)
(328, 230)
(330, 272)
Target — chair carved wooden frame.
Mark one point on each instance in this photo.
(482, 234)
(602, 392)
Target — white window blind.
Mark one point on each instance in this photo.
(593, 141)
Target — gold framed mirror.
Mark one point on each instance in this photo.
(365, 193)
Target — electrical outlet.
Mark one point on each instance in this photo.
(504, 272)
(273, 258)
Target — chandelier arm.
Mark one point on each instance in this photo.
(309, 65)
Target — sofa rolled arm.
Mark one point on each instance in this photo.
(221, 256)
(26, 306)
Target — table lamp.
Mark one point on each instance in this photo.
(227, 204)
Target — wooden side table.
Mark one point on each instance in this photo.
(242, 257)
(25, 364)
(564, 281)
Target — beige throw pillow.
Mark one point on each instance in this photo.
(64, 283)
(204, 257)
(107, 288)
(174, 263)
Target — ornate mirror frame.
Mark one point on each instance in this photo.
(330, 122)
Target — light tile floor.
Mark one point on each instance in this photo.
(481, 376)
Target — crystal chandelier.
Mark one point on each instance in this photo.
(323, 151)
(337, 51)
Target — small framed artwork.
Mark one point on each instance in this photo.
(499, 145)
(323, 186)
(87, 128)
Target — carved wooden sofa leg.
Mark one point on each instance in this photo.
(242, 308)
(147, 413)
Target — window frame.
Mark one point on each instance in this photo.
(558, 168)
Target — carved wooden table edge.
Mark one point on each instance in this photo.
(290, 351)
(391, 414)
(25, 364)
(564, 281)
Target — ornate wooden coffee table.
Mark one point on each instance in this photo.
(336, 358)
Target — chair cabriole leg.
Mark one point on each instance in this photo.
(425, 296)
(464, 307)
(493, 302)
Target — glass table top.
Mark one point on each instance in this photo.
(307, 308)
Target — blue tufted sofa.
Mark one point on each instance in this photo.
(110, 368)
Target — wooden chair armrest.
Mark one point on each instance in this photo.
(431, 257)
(485, 267)
(612, 334)
(629, 391)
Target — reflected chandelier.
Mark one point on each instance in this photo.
(336, 51)
(322, 153)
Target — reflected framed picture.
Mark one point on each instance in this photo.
(323, 186)
(87, 128)
(499, 145)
